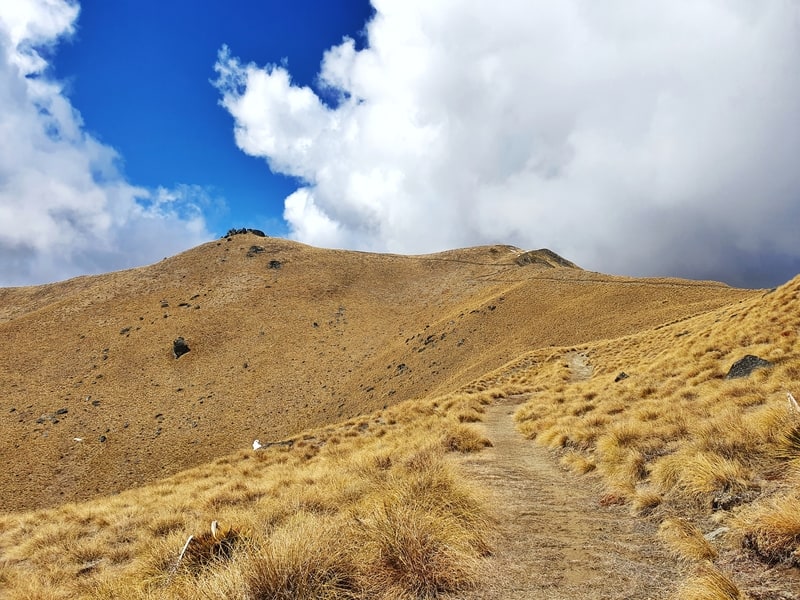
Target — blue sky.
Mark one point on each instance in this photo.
(139, 71)
(644, 139)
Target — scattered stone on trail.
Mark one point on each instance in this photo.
(743, 367)
(179, 347)
(622, 375)
(51, 418)
(103, 439)
(255, 250)
(275, 264)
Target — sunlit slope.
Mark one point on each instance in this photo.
(283, 337)
(683, 438)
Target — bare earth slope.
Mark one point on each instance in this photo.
(554, 540)
(283, 337)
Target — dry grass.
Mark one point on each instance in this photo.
(686, 540)
(330, 336)
(379, 514)
(708, 583)
(677, 440)
(370, 506)
(771, 528)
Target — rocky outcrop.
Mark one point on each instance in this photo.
(545, 258)
(233, 232)
(744, 366)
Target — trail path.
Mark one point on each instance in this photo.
(554, 540)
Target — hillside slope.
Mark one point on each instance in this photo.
(283, 337)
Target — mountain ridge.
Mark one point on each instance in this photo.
(282, 337)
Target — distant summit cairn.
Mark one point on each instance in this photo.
(545, 258)
(233, 232)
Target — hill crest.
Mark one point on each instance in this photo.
(282, 337)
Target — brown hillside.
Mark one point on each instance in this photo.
(283, 337)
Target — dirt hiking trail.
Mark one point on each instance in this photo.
(553, 539)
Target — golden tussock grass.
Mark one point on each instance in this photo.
(708, 583)
(699, 475)
(645, 501)
(771, 529)
(685, 540)
(364, 516)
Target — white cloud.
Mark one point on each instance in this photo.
(640, 138)
(65, 208)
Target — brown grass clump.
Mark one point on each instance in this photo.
(685, 540)
(645, 501)
(304, 560)
(210, 547)
(771, 529)
(465, 439)
(411, 552)
(700, 475)
(708, 583)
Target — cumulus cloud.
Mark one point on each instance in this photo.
(638, 138)
(65, 207)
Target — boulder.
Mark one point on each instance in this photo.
(622, 375)
(179, 347)
(744, 366)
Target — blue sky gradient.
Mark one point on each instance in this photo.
(139, 72)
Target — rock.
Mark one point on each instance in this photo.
(275, 264)
(255, 250)
(746, 365)
(622, 375)
(712, 535)
(728, 499)
(179, 347)
(544, 258)
(232, 232)
(103, 438)
(62, 411)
